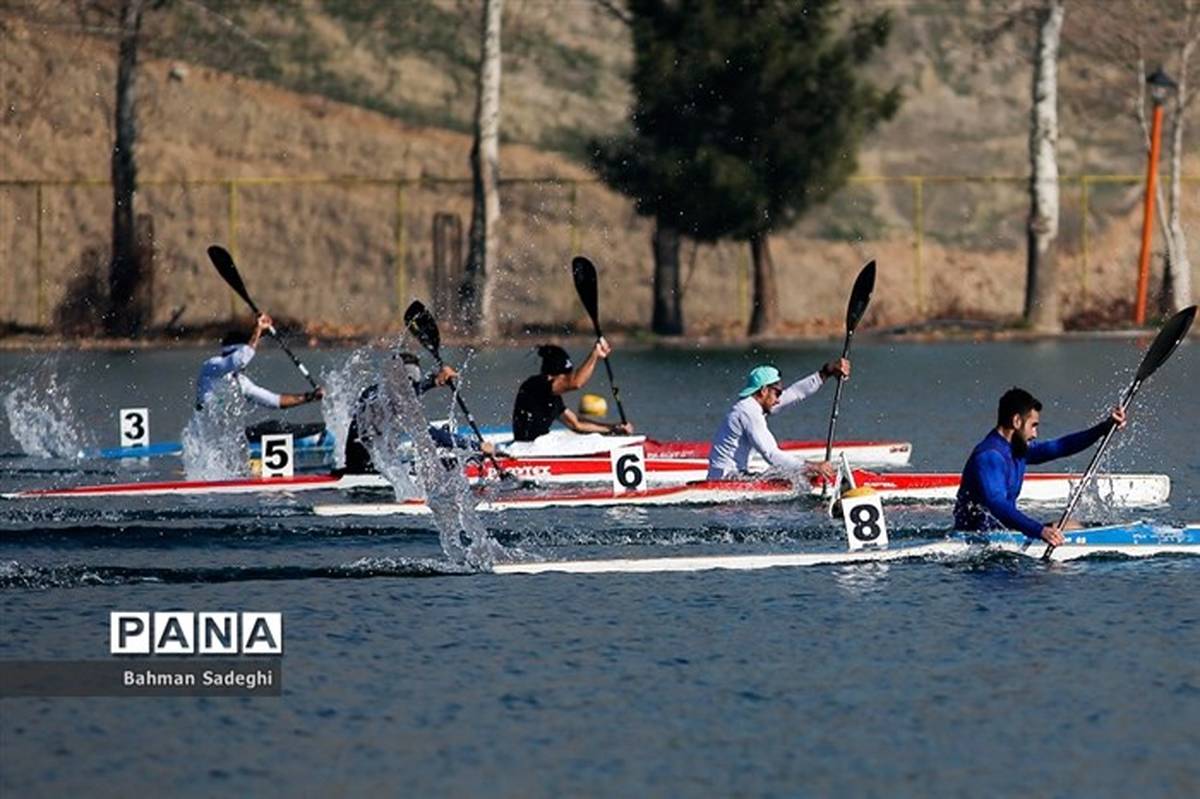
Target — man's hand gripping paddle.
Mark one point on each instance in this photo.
(860, 297)
(1171, 335)
(223, 261)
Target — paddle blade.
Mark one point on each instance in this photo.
(584, 273)
(1172, 333)
(420, 323)
(860, 296)
(223, 261)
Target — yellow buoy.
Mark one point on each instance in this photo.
(593, 405)
(861, 491)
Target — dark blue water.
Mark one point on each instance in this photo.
(403, 675)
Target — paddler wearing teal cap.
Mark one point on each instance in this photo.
(744, 429)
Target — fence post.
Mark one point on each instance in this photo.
(918, 241)
(573, 219)
(37, 260)
(401, 246)
(1085, 244)
(231, 188)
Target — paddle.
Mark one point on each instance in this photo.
(1172, 333)
(223, 261)
(584, 273)
(860, 297)
(420, 323)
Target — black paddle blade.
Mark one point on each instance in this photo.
(584, 273)
(1172, 333)
(860, 296)
(420, 323)
(223, 261)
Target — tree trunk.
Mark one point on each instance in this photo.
(668, 299)
(1041, 274)
(477, 291)
(764, 316)
(124, 273)
(1177, 280)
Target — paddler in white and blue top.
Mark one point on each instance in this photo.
(992, 478)
(744, 430)
(237, 350)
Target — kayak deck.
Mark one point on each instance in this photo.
(1136, 541)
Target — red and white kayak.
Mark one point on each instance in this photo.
(1116, 490)
(858, 453)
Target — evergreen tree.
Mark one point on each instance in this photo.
(745, 114)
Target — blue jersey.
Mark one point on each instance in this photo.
(992, 478)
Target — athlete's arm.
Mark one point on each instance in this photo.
(261, 325)
(764, 444)
(578, 379)
(1065, 446)
(802, 389)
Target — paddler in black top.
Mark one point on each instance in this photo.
(539, 399)
(358, 457)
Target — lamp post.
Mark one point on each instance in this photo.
(1160, 87)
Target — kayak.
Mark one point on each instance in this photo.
(1133, 541)
(1119, 490)
(1114, 490)
(318, 444)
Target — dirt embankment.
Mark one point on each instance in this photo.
(331, 210)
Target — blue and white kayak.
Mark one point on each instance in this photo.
(317, 444)
(1132, 541)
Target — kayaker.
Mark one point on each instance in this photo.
(237, 350)
(365, 425)
(992, 477)
(744, 429)
(539, 400)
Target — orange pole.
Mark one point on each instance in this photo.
(1139, 308)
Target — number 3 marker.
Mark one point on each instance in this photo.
(134, 424)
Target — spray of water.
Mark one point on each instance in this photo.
(41, 416)
(214, 441)
(404, 453)
(342, 387)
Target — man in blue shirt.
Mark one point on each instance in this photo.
(992, 478)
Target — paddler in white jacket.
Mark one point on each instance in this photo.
(744, 430)
(237, 350)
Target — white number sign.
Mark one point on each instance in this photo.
(278, 456)
(628, 469)
(134, 424)
(865, 526)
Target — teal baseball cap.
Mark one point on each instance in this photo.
(759, 377)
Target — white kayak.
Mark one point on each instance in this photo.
(1134, 541)
(1114, 490)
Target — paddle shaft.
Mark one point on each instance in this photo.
(241, 292)
(612, 383)
(1092, 467)
(837, 399)
(462, 406)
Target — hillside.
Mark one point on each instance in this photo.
(258, 90)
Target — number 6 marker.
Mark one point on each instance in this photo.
(863, 514)
(628, 469)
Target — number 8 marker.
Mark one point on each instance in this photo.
(863, 515)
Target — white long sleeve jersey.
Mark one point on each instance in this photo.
(744, 431)
(230, 363)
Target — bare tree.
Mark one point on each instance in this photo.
(476, 295)
(1133, 36)
(1041, 285)
(124, 317)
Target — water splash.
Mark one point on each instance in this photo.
(404, 453)
(42, 418)
(342, 387)
(214, 441)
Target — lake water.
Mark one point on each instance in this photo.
(405, 675)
